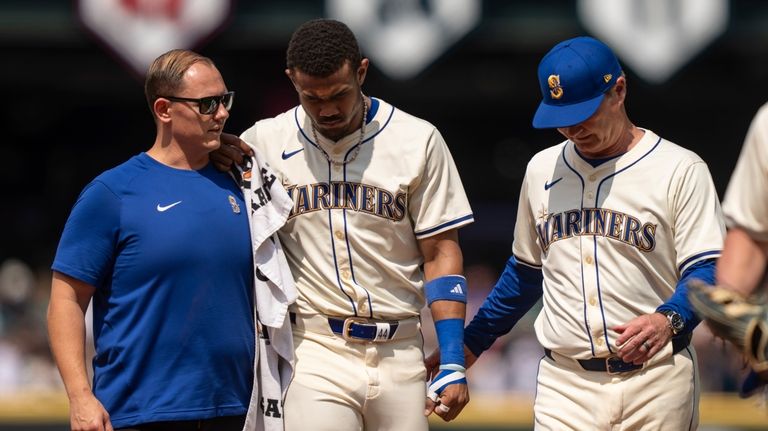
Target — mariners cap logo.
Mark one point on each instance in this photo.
(607, 77)
(555, 90)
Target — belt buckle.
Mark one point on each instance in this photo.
(348, 322)
(615, 366)
(609, 367)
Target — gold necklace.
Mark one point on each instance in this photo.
(357, 146)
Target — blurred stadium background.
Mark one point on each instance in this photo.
(71, 71)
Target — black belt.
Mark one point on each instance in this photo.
(615, 365)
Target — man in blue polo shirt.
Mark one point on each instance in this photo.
(161, 244)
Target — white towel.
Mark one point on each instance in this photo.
(274, 290)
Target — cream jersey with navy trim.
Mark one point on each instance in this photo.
(746, 198)
(612, 240)
(352, 236)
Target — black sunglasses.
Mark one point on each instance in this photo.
(208, 105)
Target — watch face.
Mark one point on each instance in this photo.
(676, 321)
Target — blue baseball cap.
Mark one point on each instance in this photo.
(574, 76)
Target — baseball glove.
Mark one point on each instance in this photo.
(734, 318)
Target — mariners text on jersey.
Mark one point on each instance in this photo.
(348, 195)
(596, 222)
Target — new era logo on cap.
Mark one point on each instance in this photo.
(574, 76)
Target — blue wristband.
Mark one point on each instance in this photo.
(448, 288)
(450, 337)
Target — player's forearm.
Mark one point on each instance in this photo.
(742, 263)
(442, 257)
(446, 293)
(66, 332)
(517, 290)
(448, 310)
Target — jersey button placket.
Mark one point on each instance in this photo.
(340, 247)
(593, 315)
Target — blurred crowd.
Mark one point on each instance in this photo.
(25, 360)
(510, 365)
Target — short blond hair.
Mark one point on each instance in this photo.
(166, 73)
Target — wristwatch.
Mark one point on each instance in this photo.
(676, 322)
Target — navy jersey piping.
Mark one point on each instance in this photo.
(581, 263)
(597, 263)
(532, 265)
(349, 252)
(444, 225)
(698, 256)
(335, 261)
(298, 125)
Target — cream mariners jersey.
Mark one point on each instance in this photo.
(746, 199)
(612, 240)
(352, 237)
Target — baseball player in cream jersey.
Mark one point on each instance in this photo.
(743, 263)
(611, 224)
(372, 234)
(746, 213)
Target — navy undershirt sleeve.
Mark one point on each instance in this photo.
(704, 271)
(518, 289)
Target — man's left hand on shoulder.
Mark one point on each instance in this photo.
(232, 150)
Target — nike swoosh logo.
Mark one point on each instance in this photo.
(548, 186)
(167, 207)
(287, 156)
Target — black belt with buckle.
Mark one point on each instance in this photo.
(615, 365)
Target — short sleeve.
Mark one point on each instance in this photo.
(88, 244)
(439, 203)
(249, 136)
(746, 198)
(699, 229)
(525, 247)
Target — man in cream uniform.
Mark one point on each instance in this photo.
(611, 225)
(745, 253)
(742, 265)
(377, 201)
